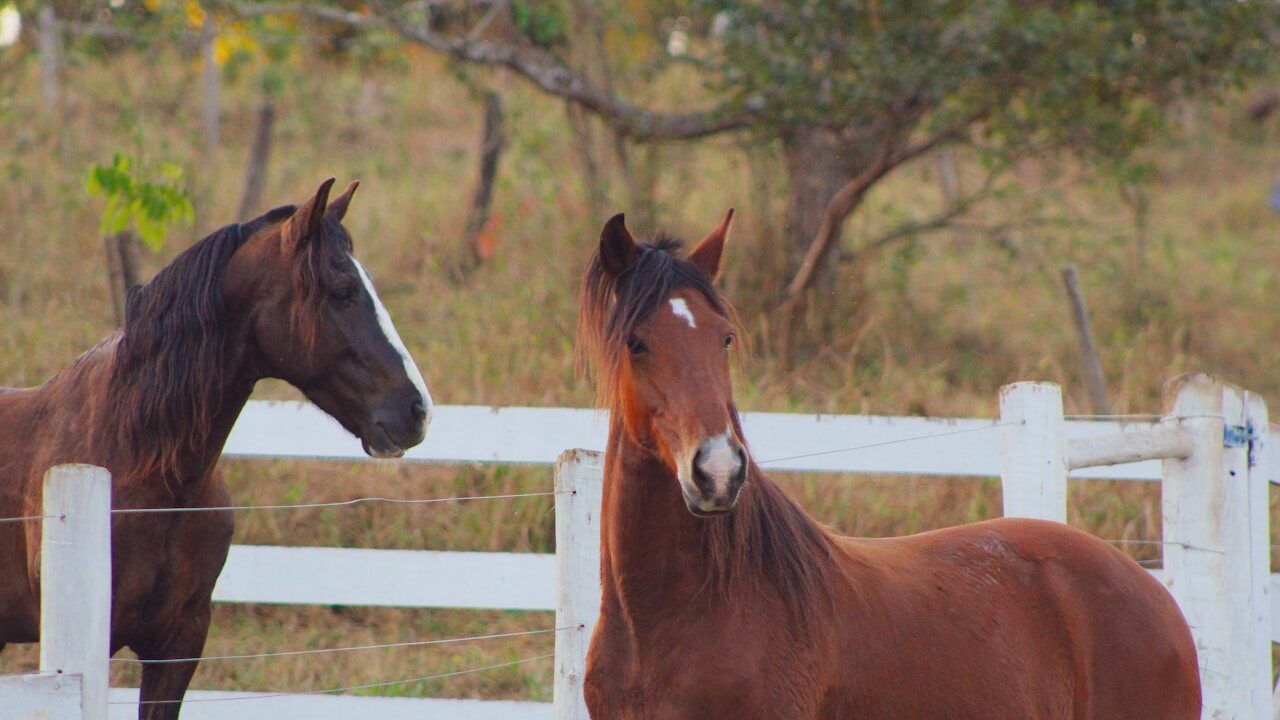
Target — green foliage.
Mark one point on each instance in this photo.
(542, 23)
(151, 206)
(1089, 76)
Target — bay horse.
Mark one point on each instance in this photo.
(282, 297)
(723, 599)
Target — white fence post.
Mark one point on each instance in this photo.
(579, 480)
(1207, 553)
(1258, 630)
(75, 580)
(1033, 472)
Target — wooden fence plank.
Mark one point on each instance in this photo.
(781, 442)
(333, 707)
(41, 697)
(388, 578)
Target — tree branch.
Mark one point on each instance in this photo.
(850, 196)
(540, 68)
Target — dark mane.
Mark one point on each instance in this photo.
(172, 360)
(768, 538)
(611, 308)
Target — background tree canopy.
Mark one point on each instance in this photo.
(854, 89)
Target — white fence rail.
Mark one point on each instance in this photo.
(1215, 507)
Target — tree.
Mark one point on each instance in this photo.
(854, 89)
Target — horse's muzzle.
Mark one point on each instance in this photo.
(716, 475)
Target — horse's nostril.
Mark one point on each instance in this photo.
(418, 410)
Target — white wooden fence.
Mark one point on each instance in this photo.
(1211, 449)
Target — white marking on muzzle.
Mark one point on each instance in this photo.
(393, 337)
(720, 461)
(680, 309)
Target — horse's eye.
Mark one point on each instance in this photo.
(636, 346)
(344, 294)
(728, 340)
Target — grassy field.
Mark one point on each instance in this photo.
(934, 328)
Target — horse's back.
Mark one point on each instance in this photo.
(1133, 652)
(19, 495)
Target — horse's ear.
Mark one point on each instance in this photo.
(707, 254)
(338, 206)
(306, 220)
(617, 248)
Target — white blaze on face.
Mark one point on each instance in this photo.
(680, 309)
(393, 337)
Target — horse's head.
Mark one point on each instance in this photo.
(316, 321)
(663, 337)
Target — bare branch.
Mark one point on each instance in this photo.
(313, 10)
(538, 67)
(850, 196)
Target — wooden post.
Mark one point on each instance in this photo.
(1207, 554)
(579, 480)
(255, 177)
(1093, 376)
(1258, 622)
(75, 580)
(1033, 473)
(47, 44)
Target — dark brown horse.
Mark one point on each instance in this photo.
(279, 297)
(723, 599)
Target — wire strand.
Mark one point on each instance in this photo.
(321, 651)
(898, 441)
(340, 503)
(388, 683)
(32, 517)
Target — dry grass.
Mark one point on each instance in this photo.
(935, 330)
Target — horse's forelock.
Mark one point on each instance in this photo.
(610, 307)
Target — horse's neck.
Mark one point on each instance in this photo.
(194, 463)
(652, 547)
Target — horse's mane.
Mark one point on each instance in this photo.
(172, 361)
(767, 537)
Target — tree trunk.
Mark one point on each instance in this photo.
(255, 177)
(492, 141)
(584, 141)
(123, 257)
(48, 42)
(818, 168)
(211, 109)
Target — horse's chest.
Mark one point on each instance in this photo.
(690, 679)
(160, 567)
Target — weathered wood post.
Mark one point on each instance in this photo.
(1033, 472)
(1261, 471)
(1093, 377)
(75, 580)
(1211, 555)
(579, 481)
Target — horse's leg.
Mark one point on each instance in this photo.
(164, 683)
